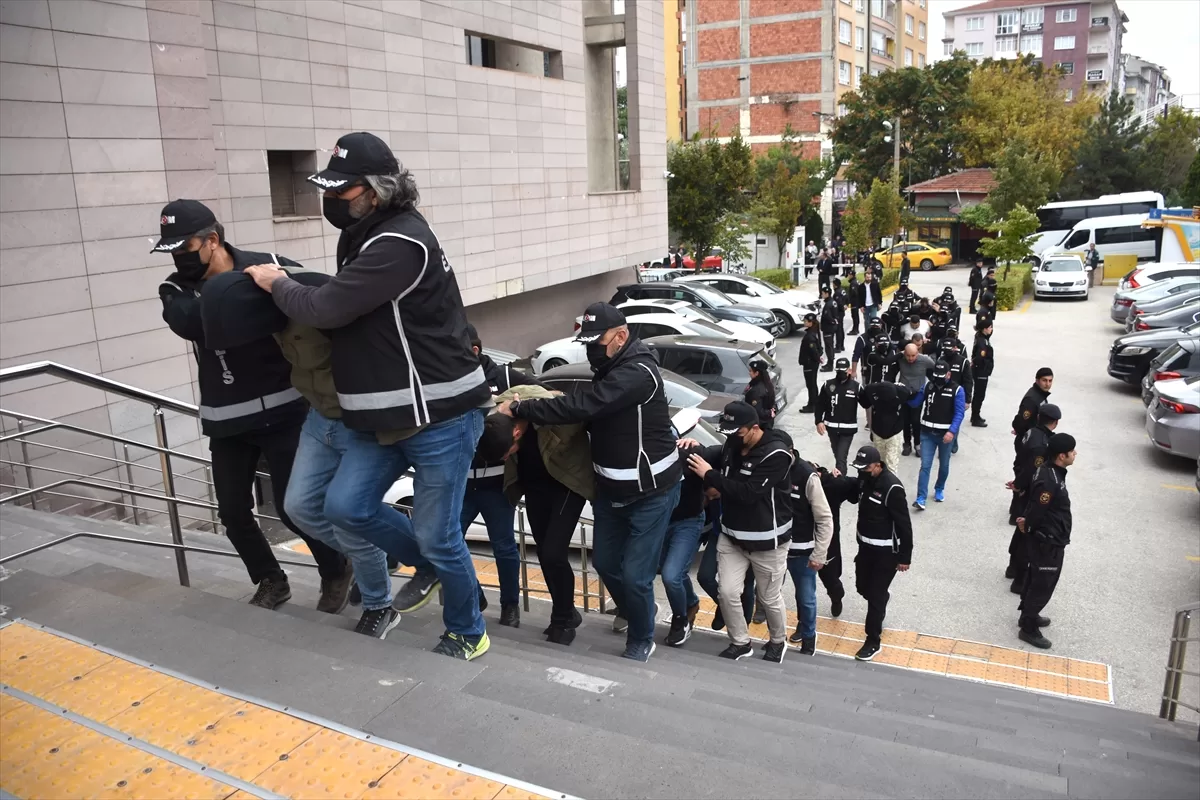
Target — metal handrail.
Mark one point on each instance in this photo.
(97, 382)
(1173, 681)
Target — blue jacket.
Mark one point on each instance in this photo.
(960, 406)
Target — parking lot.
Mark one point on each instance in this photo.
(1135, 551)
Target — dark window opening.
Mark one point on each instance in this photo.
(483, 51)
(291, 194)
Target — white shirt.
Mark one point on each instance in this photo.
(907, 330)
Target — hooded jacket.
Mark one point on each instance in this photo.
(756, 502)
(566, 451)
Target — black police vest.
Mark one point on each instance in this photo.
(803, 523)
(876, 529)
(843, 406)
(937, 412)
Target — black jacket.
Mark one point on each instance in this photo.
(983, 358)
(975, 280)
(401, 354)
(756, 503)
(762, 398)
(888, 402)
(691, 489)
(837, 406)
(883, 522)
(810, 350)
(1027, 412)
(1031, 456)
(882, 363)
(960, 370)
(625, 409)
(1048, 510)
(243, 388)
(485, 475)
(842, 489)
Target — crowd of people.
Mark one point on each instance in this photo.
(343, 383)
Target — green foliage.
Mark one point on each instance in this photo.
(1190, 190)
(623, 111)
(885, 205)
(1109, 158)
(732, 231)
(889, 277)
(776, 277)
(708, 181)
(1169, 148)
(1023, 178)
(856, 224)
(1015, 281)
(979, 216)
(1013, 232)
(787, 189)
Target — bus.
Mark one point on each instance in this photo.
(1056, 220)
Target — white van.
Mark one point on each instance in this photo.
(1121, 235)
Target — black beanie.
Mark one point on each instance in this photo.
(1060, 443)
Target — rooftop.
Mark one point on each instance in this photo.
(968, 181)
(990, 5)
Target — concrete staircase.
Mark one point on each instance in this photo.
(581, 720)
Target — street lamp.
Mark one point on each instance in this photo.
(894, 138)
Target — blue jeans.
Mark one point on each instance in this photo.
(706, 575)
(498, 517)
(627, 544)
(804, 578)
(323, 443)
(931, 440)
(679, 548)
(440, 456)
(871, 313)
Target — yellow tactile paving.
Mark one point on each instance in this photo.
(1080, 687)
(21, 640)
(1009, 657)
(905, 639)
(107, 690)
(512, 793)
(1087, 669)
(169, 719)
(417, 778)
(966, 668)
(28, 734)
(1046, 682)
(168, 780)
(999, 673)
(1044, 663)
(330, 765)
(934, 644)
(896, 656)
(972, 650)
(248, 741)
(51, 665)
(928, 662)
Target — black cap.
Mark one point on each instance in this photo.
(810, 317)
(939, 367)
(948, 290)
(866, 456)
(904, 281)
(842, 363)
(978, 259)
(355, 156)
(1049, 411)
(179, 220)
(598, 318)
(1060, 443)
(758, 365)
(737, 414)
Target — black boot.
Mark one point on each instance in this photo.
(510, 615)
(1034, 637)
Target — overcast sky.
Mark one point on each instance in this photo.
(1166, 32)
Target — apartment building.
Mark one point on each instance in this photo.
(504, 110)
(1081, 39)
(1146, 83)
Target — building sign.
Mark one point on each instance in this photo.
(843, 191)
(1095, 75)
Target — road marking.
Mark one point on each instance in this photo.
(579, 680)
(1193, 558)
(1028, 304)
(1179, 488)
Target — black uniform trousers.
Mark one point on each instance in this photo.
(234, 462)
(1018, 559)
(810, 383)
(839, 442)
(831, 573)
(828, 339)
(553, 511)
(981, 385)
(874, 570)
(974, 299)
(839, 333)
(912, 425)
(1045, 567)
(855, 316)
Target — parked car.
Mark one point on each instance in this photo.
(1171, 318)
(1179, 360)
(655, 274)
(921, 255)
(1061, 276)
(1167, 303)
(788, 305)
(1173, 417)
(719, 365)
(738, 330)
(1131, 354)
(1125, 298)
(1158, 271)
(681, 392)
(714, 302)
(712, 262)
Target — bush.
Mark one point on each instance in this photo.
(890, 277)
(776, 277)
(1013, 285)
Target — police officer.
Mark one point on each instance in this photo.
(837, 412)
(810, 359)
(1035, 396)
(760, 392)
(840, 301)
(863, 345)
(885, 541)
(1047, 526)
(1027, 462)
(960, 368)
(854, 295)
(829, 321)
(983, 360)
(248, 406)
(975, 281)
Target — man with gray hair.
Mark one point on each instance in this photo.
(408, 383)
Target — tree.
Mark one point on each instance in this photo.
(1022, 178)
(856, 224)
(1012, 242)
(1169, 148)
(885, 204)
(708, 180)
(1016, 99)
(1191, 186)
(1108, 160)
(979, 216)
(732, 231)
(778, 205)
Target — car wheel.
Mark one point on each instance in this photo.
(926, 265)
(787, 325)
(553, 363)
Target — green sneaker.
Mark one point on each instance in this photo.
(465, 648)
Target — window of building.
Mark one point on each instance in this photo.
(922, 3)
(1033, 16)
(876, 8)
(921, 31)
(860, 5)
(1070, 95)
(1066, 15)
(908, 24)
(1032, 45)
(844, 72)
(483, 51)
(974, 48)
(858, 75)
(1007, 22)
(845, 30)
(1006, 44)
(878, 44)
(860, 38)
(291, 194)
(1064, 42)
(908, 57)
(875, 70)
(974, 23)
(841, 109)
(1067, 67)
(921, 60)
(948, 48)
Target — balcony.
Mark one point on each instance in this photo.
(1100, 23)
(1098, 49)
(1031, 27)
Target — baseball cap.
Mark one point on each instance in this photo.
(1060, 443)
(758, 365)
(1050, 411)
(810, 317)
(842, 363)
(866, 456)
(178, 221)
(737, 414)
(355, 156)
(597, 318)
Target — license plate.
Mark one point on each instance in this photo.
(1060, 288)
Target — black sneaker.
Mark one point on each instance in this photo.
(978, 423)
(736, 652)
(355, 596)
(809, 646)
(510, 615)
(774, 651)
(718, 622)
(575, 622)
(557, 634)
(868, 651)
(1009, 573)
(796, 637)
(483, 603)
(272, 593)
(1042, 622)
(681, 629)
(464, 648)
(377, 622)
(335, 593)
(917, 451)
(760, 615)
(416, 593)
(807, 410)
(639, 652)
(1034, 638)
(835, 607)
(907, 451)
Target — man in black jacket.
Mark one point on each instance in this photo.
(637, 468)
(829, 320)
(1035, 396)
(248, 406)
(888, 405)
(837, 412)
(872, 296)
(885, 541)
(1025, 465)
(854, 296)
(983, 361)
(1047, 526)
(975, 281)
(406, 377)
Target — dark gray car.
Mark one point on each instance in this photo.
(719, 365)
(1131, 354)
(1171, 301)
(1176, 317)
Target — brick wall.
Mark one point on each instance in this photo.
(772, 118)
(771, 8)
(716, 10)
(790, 77)
(780, 38)
(808, 150)
(718, 84)
(724, 119)
(719, 44)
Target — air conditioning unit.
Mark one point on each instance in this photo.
(1095, 76)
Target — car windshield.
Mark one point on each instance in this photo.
(1063, 265)
(714, 297)
(769, 288)
(690, 312)
(705, 328)
(682, 392)
(761, 355)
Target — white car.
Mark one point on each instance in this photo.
(1061, 276)
(1145, 274)
(738, 330)
(642, 326)
(790, 305)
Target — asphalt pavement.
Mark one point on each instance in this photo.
(1136, 541)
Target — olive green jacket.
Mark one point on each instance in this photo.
(566, 451)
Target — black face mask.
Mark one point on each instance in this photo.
(337, 211)
(189, 266)
(842, 376)
(597, 354)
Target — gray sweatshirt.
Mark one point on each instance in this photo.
(913, 375)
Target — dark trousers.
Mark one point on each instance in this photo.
(831, 573)
(234, 462)
(485, 498)
(873, 574)
(855, 316)
(912, 425)
(553, 512)
(839, 334)
(822, 278)
(810, 383)
(1045, 567)
(974, 299)
(1018, 558)
(840, 442)
(828, 339)
(980, 392)
(706, 575)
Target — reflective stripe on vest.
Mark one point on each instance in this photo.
(937, 426)
(846, 425)
(657, 468)
(876, 542)
(802, 546)
(759, 536)
(486, 472)
(396, 398)
(245, 409)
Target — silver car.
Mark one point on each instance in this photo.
(1142, 308)
(1173, 417)
(1177, 317)
(1124, 299)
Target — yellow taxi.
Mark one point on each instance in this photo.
(921, 255)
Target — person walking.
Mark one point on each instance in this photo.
(975, 282)
(885, 542)
(837, 412)
(1091, 261)
(760, 392)
(825, 269)
(913, 369)
(679, 548)
(872, 296)
(887, 403)
(810, 359)
(943, 405)
(828, 326)
(905, 264)
(808, 552)
(854, 296)
(983, 361)
(1047, 525)
(840, 301)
